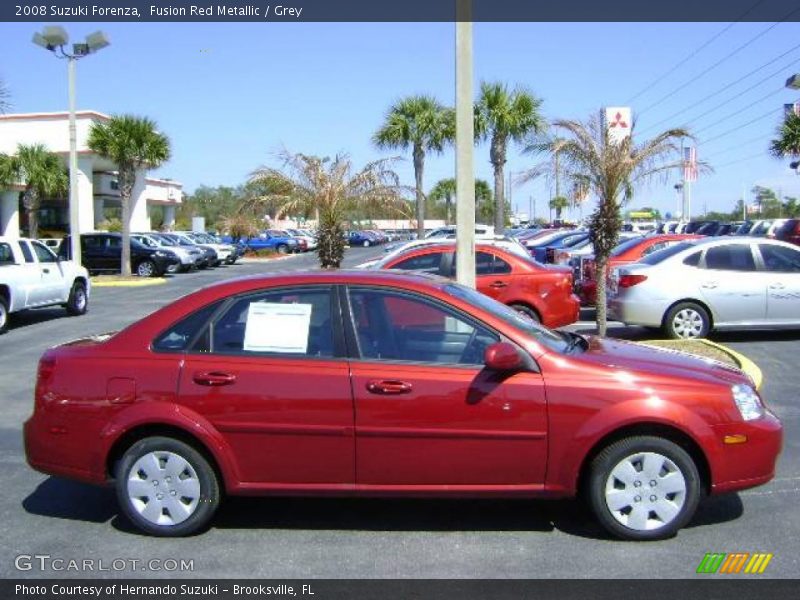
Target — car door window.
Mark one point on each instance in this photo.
(189, 331)
(778, 259)
(654, 248)
(734, 257)
(43, 253)
(401, 327)
(426, 263)
(489, 264)
(295, 322)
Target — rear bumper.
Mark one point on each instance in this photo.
(633, 312)
(564, 313)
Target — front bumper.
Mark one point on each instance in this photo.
(749, 464)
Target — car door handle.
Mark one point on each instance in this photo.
(46, 270)
(709, 285)
(388, 387)
(776, 286)
(498, 284)
(214, 378)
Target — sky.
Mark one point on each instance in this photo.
(232, 95)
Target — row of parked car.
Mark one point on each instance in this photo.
(282, 241)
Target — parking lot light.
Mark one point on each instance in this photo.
(54, 39)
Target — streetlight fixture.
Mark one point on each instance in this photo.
(54, 39)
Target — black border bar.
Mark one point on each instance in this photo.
(399, 10)
(718, 588)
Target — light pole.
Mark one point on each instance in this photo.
(54, 39)
(465, 145)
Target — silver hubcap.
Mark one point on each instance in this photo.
(3, 316)
(645, 491)
(687, 323)
(145, 269)
(163, 487)
(80, 298)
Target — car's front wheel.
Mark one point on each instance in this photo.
(78, 301)
(166, 487)
(643, 488)
(687, 320)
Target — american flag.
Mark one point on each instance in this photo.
(690, 164)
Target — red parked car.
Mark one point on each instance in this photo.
(626, 253)
(379, 383)
(542, 292)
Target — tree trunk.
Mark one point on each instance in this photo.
(126, 178)
(497, 156)
(448, 203)
(30, 200)
(419, 166)
(601, 277)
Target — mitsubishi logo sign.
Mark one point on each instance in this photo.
(618, 122)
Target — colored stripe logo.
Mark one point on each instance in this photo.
(734, 563)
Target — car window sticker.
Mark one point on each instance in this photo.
(279, 327)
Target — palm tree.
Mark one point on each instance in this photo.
(135, 145)
(330, 185)
(425, 125)
(43, 175)
(5, 104)
(611, 171)
(502, 115)
(788, 141)
(558, 203)
(444, 190)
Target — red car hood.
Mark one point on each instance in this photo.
(632, 356)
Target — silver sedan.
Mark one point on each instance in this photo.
(694, 287)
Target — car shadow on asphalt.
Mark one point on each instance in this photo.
(63, 499)
(33, 316)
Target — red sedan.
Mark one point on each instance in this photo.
(542, 292)
(312, 383)
(626, 253)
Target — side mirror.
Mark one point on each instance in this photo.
(503, 356)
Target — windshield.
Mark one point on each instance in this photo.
(524, 325)
(665, 253)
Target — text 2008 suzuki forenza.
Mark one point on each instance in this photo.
(390, 384)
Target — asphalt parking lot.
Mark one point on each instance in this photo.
(372, 538)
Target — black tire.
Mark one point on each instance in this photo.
(687, 320)
(527, 311)
(78, 301)
(282, 249)
(678, 506)
(3, 315)
(146, 268)
(204, 507)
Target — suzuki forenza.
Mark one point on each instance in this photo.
(381, 383)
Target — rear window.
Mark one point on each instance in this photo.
(661, 255)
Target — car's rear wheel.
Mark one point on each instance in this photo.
(366, 244)
(78, 301)
(687, 320)
(282, 249)
(166, 487)
(146, 268)
(643, 488)
(3, 315)
(528, 312)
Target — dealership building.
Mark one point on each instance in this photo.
(97, 189)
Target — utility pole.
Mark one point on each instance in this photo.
(465, 146)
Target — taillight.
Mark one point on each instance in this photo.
(44, 376)
(626, 281)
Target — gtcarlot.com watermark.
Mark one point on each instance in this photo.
(49, 563)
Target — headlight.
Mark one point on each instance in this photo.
(748, 402)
